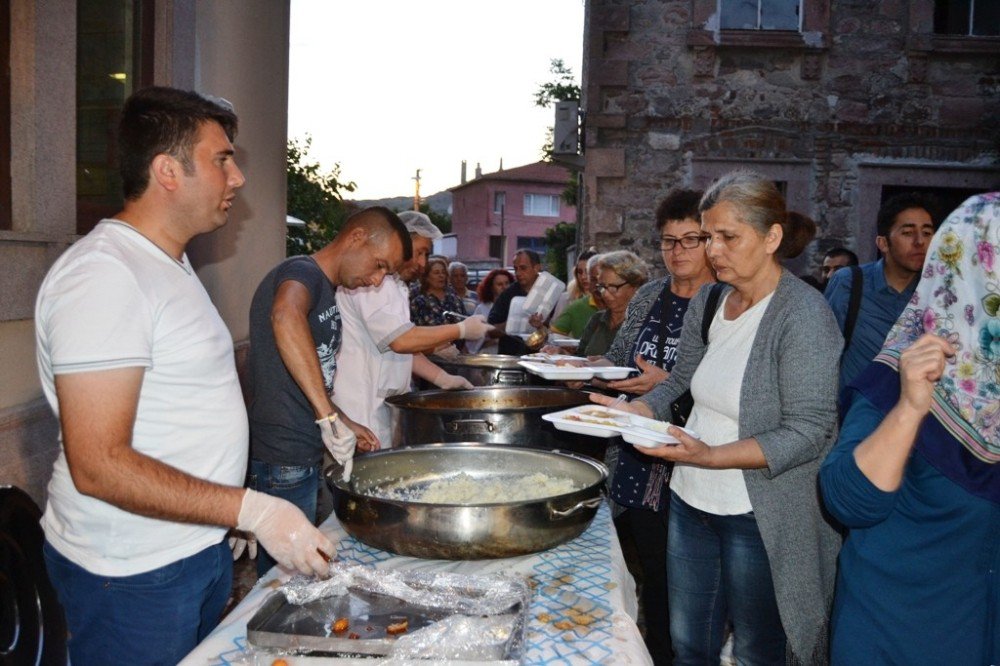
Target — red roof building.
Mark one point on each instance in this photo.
(518, 204)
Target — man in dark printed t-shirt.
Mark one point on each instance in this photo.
(295, 332)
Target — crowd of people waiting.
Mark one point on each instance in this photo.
(833, 496)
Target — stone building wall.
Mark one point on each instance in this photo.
(862, 99)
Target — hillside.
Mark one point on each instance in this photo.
(439, 203)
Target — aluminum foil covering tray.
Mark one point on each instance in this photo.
(360, 611)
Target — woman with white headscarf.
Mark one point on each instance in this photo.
(914, 475)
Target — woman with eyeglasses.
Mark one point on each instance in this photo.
(637, 485)
(620, 274)
(747, 539)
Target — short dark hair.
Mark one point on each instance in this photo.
(896, 204)
(160, 120)
(532, 256)
(586, 254)
(678, 205)
(852, 259)
(389, 222)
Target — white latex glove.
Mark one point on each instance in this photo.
(473, 328)
(285, 533)
(451, 382)
(239, 542)
(339, 441)
(447, 352)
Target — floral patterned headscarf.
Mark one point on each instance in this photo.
(958, 298)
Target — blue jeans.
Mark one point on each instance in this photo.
(299, 484)
(717, 568)
(155, 617)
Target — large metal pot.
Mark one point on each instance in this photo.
(464, 532)
(488, 369)
(494, 415)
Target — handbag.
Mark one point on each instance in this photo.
(680, 408)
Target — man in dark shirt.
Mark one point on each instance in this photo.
(295, 332)
(527, 266)
(835, 259)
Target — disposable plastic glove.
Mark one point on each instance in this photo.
(451, 382)
(239, 542)
(339, 441)
(285, 533)
(447, 352)
(473, 328)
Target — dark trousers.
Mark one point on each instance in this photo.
(648, 531)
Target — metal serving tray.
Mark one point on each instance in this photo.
(307, 628)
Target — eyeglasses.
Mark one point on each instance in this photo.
(686, 242)
(610, 288)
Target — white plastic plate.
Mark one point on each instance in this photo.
(650, 433)
(593, 420)
(557, 372)
(551, 358)
(613, 372)
(599, 421)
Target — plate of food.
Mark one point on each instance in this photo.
(600, 421)
(593, 420)
(557, 372)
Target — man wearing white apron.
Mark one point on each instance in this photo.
(381, 347)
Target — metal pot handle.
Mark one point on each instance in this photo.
(469, 426)
(591, 503)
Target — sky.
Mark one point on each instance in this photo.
(386, 87)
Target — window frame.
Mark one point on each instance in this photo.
(813, 33)
(89, 213)
(499, 202)
(922, 38)
(969, 29)
(532, 196)
(799, 16)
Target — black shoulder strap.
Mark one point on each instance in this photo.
(854, 304)
(711, 305)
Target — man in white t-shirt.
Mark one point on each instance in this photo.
(381, 346)
(138, 365)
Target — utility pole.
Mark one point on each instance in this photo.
(416, 192)
(503, 233)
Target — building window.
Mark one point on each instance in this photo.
(499, 201)
(114, 58)
(541, 205)
(532, 243)
(496, 247)
(971, 18)
(5, 214)
(760, 14)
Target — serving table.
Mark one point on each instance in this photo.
(582, 611)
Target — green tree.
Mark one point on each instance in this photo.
(562, 88)
(558, 240)
(314, 196)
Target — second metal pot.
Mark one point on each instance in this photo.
(488, 369)
(495, 415)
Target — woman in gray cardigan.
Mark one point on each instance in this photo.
(747, 539)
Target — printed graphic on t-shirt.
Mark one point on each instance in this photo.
(648, 343)
(327, 349)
